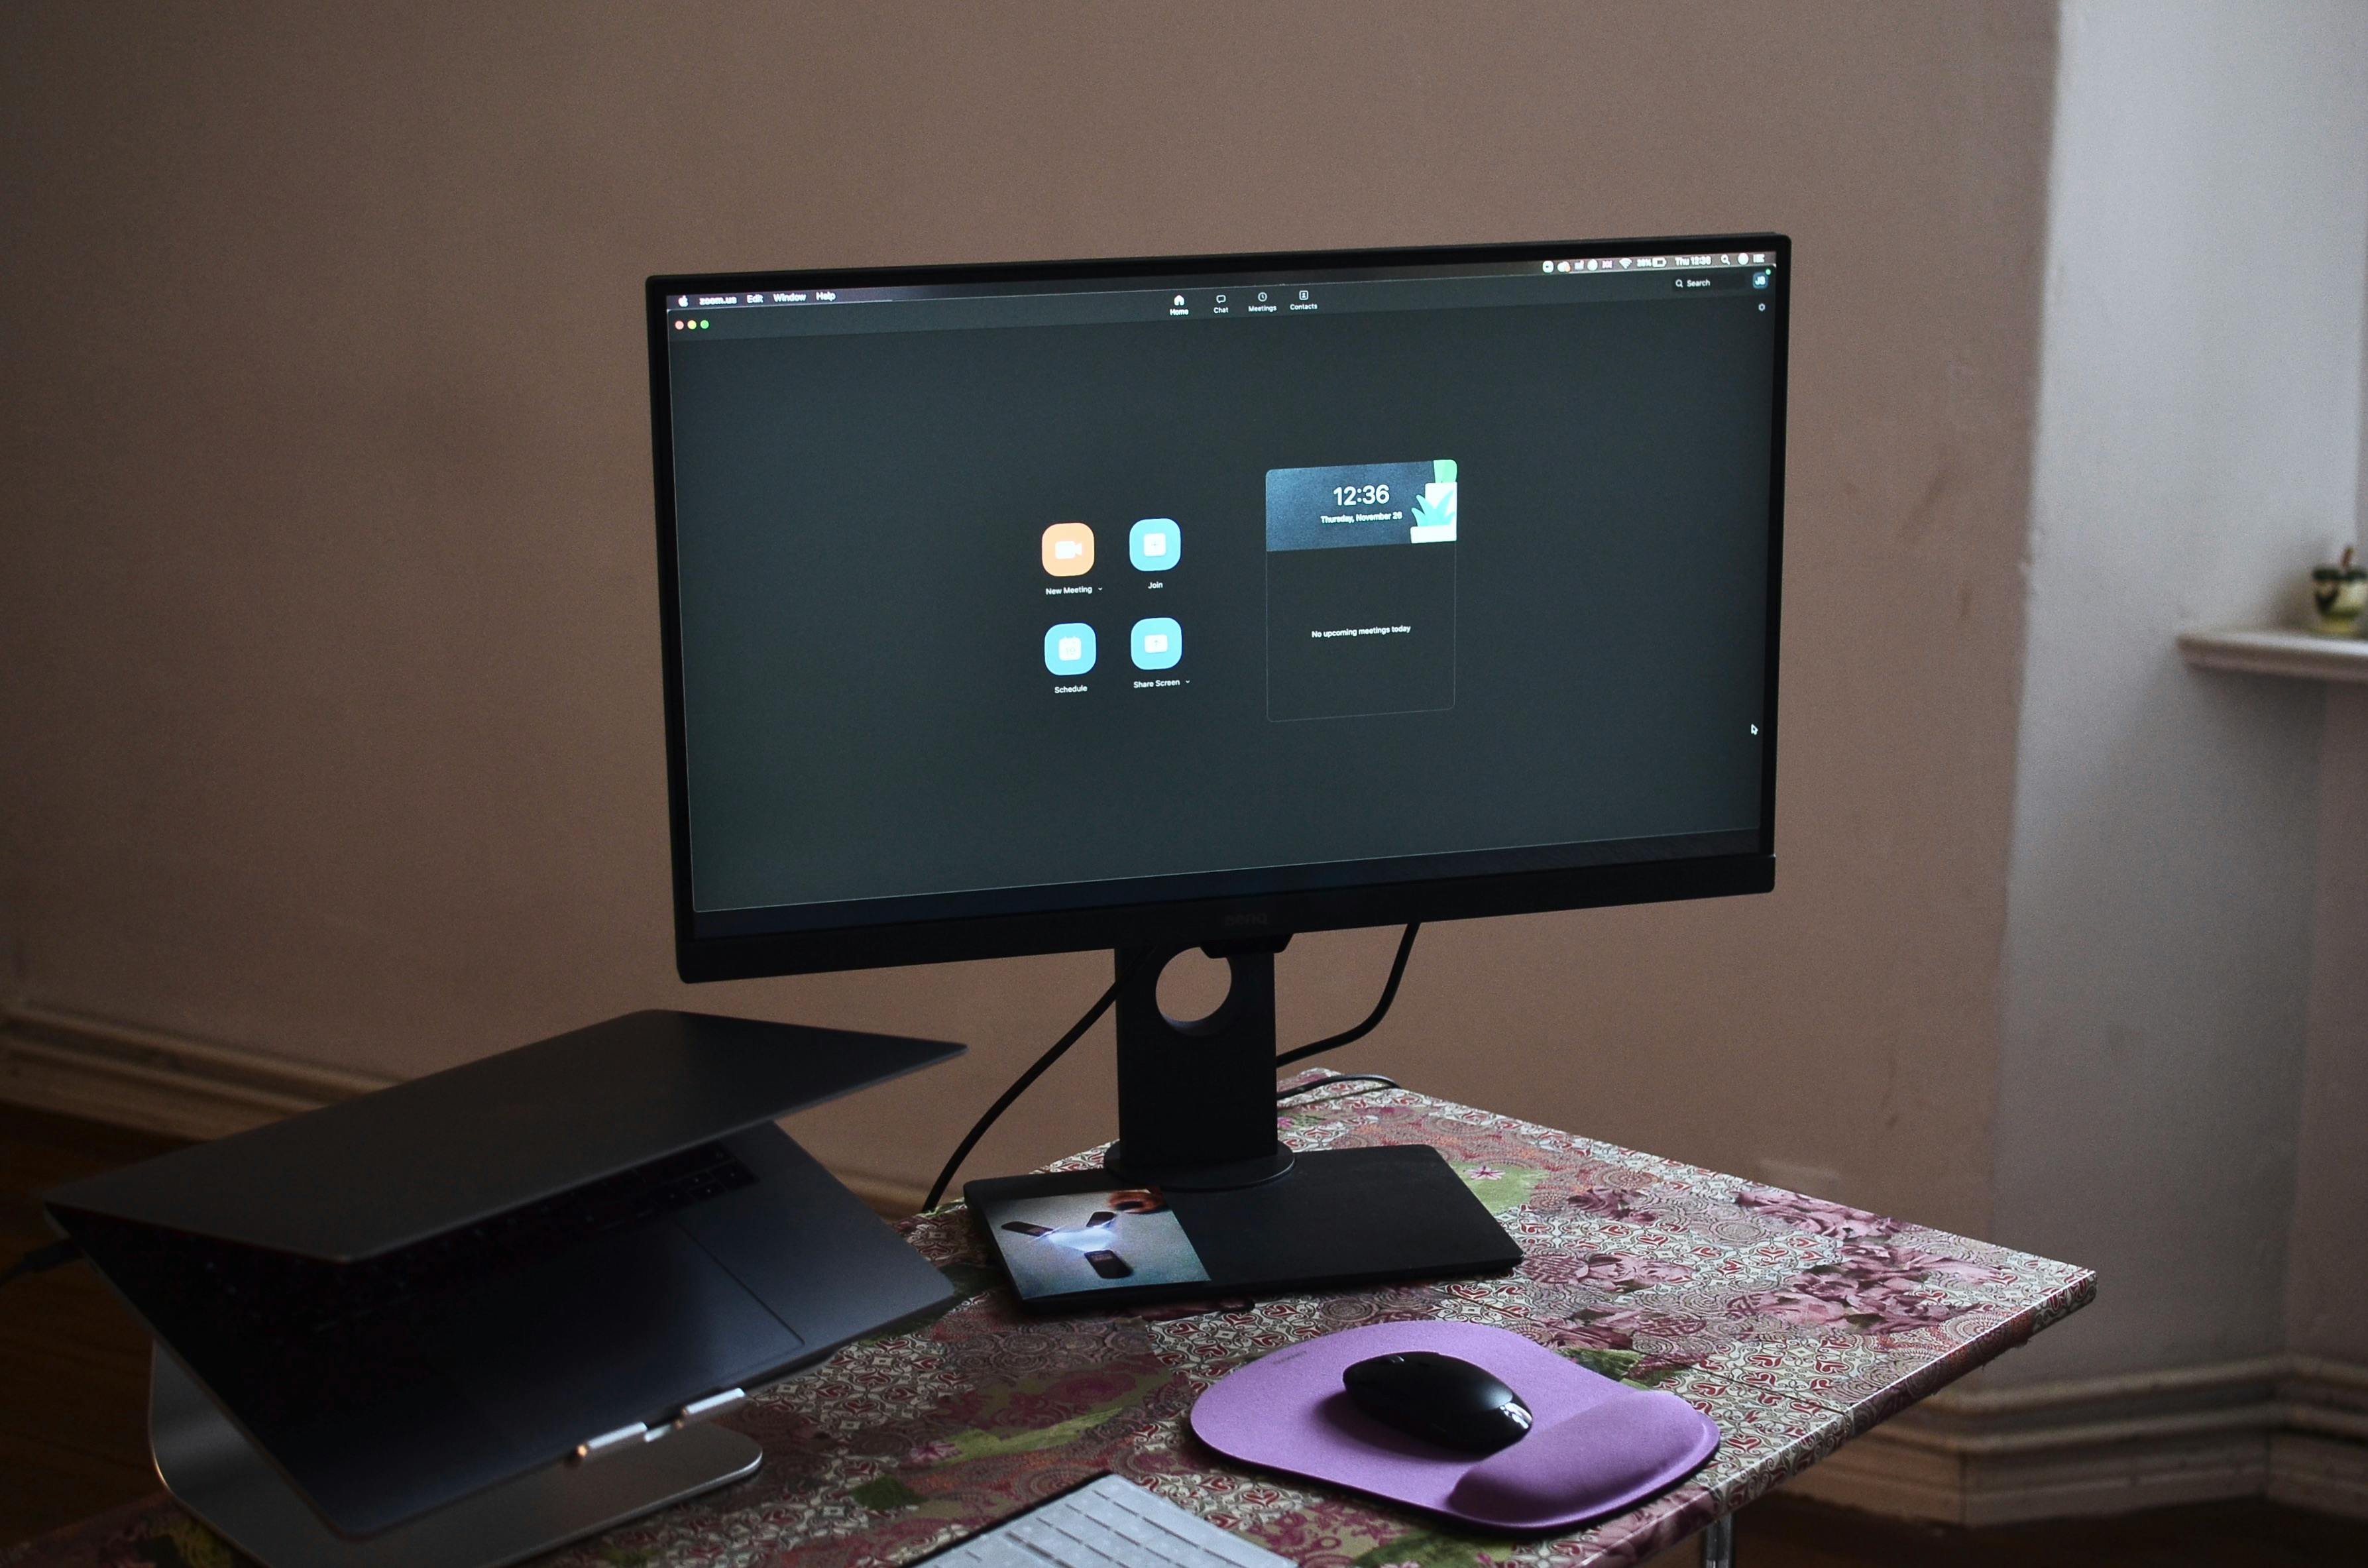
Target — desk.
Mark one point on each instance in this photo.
(1794, 1322)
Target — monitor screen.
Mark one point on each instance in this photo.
(1010, 593)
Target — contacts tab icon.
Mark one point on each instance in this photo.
(1154, 544)
(1068, 549)
(1158, 643)
(1069, 648)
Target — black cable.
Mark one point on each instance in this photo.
(1381, 1009)
(1018, 1088)
(1325, 1083)
(40, 1261)
(1094, 1013)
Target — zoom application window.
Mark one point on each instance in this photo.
(1224, 584)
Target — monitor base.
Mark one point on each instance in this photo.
(212, 1469)
(1392, 1214)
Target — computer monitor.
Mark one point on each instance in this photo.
(1130, 605)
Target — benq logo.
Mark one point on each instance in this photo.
(1246, 920)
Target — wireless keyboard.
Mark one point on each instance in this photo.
(1108, 1523)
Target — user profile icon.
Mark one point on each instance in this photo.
(1069, 648)
(1154, 544)
(1068, 549)
(1158, 643)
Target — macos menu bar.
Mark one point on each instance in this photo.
(957, 306)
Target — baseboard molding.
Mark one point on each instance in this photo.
(2290, 1427)
(128, 1076)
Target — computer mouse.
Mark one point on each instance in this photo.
(1440, 1399)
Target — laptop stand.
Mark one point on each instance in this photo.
(215, 1472)
(727, 1258)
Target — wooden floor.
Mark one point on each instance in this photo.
(74, 1366)
(1792, 1532)
(74, 1379)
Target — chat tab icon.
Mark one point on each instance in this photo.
(1069, 648)
(1068, 549)
(1158, 642)
(1154, 544)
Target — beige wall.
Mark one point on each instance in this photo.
(331, 717)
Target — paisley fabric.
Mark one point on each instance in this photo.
(1794, 1322)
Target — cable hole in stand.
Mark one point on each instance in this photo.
(1193, 987)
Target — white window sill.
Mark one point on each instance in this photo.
(2274, 653)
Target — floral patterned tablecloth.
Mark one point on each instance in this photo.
(1794, 1322)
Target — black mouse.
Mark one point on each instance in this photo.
(1440, 1398)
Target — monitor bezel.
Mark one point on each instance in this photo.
(1197, 921)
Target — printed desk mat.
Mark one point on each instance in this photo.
(1794, 1322)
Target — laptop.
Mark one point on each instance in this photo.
(410, 1297)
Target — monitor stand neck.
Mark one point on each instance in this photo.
(1196, 1107)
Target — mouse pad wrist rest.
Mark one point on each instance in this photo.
(1596, 1447)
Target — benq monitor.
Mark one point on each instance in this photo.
(1146, 605)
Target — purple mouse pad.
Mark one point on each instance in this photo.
(1596, 1448)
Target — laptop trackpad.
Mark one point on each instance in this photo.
(624, 1328)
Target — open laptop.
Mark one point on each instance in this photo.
(413, 1296)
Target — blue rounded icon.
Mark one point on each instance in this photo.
(1069, 648)
(1154, 544)
(1158, 643)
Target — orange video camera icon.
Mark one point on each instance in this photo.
(1068, 549)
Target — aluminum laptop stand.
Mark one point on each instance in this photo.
(216, 1474)
(470, 1318)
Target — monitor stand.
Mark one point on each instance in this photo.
(1197, 1120)
(212, 1469)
